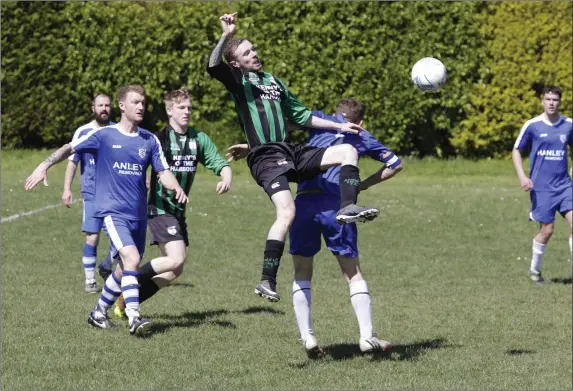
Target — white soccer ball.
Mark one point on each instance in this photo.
(429, 74)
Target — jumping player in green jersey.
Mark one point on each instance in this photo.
(184, 147)
(263, 102)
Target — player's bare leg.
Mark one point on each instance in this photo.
(360, 299)
(346, 156)
(302, 302)
(285, 210)
(538, 250)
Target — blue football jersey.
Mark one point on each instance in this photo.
(365, 144)
(120, 170)
(548, 155)
(87, 161)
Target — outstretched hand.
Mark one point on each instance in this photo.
(228, 23)
(40, 174)
(237, 152)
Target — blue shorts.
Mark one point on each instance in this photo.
(90, 223)
(123, 232)
(316, 216)
(544, 204)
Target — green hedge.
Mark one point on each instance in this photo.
(56, 56)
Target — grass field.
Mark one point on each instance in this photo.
(446, 265)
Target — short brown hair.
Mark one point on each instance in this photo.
(123, 91)
(551, 90)
(232, 46)
(352, 109)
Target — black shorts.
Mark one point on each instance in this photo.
(167, 228)
(295, 162)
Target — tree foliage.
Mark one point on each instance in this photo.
(57, 55)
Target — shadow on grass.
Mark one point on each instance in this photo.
(561, 280)
(260, 310)
(519, 352)
(180, 285)
(162, 323)
(402, 352)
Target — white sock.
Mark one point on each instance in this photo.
(130, 291)
(89, 268)
(360, 299)
(570, 248)
(537, 256)
(301, 301)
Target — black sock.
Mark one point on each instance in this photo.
(349, 185)
(147, 289)
(146, 272)
(273, 253)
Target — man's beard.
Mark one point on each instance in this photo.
(102, 118)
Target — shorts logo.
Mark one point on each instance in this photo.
(543, 135)
(172, 230)
(281, 162)
(275, 185)
(563, 138)
(142, 152)
(116, 146)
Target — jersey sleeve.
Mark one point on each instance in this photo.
(76, 156)
(158, 161)
(224, 73)
(523, 140)
(208, 155)
(570, 142)
(295, 111)
(376, 150)
(88, 142)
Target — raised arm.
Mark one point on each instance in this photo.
(228, 26)
(346, 127)
(41, 172)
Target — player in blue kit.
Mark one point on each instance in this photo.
(91, 225)
(317, 201)
(546, 137)
(124, 151)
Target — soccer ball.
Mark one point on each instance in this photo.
(429, 74)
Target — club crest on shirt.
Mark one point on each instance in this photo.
(193, 146)
(142, 152)
(563, 138)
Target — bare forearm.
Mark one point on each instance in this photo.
(217, 54)
(380, 176)
(316, 122)
(58, 156)
(226, 174)
(168, 180)
(69, 177)
(518, 163)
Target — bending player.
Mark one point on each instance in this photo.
(317, 201)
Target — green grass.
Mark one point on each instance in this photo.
(446, 265)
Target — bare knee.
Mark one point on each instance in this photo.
(545, 232)
(349, 153)
(302, 268)
(285, 214)
(92, 239)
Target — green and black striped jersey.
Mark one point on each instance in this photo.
(262, 102)
(183, 152)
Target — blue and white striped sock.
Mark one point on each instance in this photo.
(109, 294)
(130, 291)
(89, 261)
